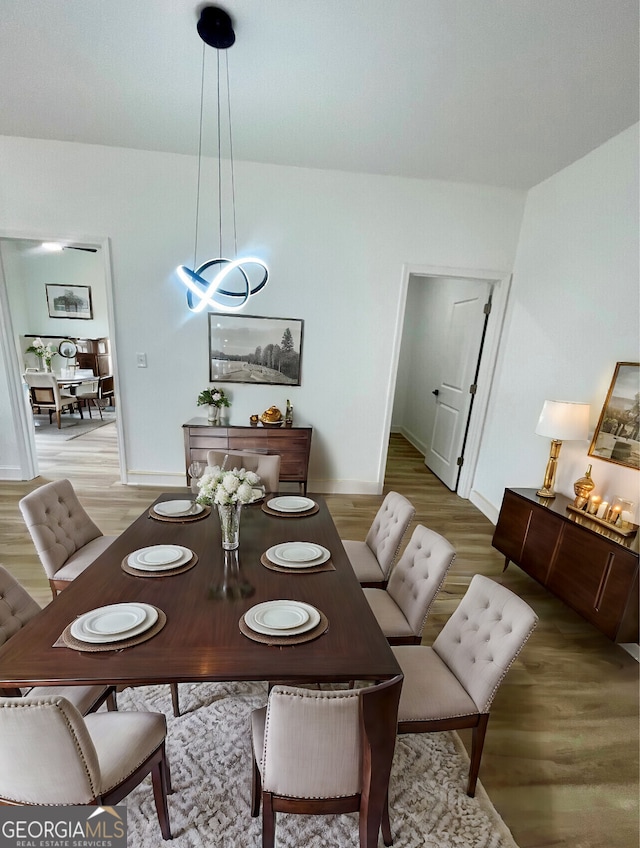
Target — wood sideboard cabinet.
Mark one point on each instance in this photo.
(585, 567)
(292, 443)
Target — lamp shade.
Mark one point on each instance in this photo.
(564, 420)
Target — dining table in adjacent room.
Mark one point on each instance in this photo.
(207, 627)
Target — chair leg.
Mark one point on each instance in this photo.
(112, 704)
(58, 419)
(96, 402)
(256, 789)
(386, 822)
(174, 699)
(477, 744)
(268, 821)
(158, 779)
(89, 408)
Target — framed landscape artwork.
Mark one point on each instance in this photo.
(616, 436)
(69, 301)
(254, 349)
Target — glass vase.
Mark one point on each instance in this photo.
(213, 415)
(229, 515)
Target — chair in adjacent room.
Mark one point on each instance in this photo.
(89, 392)
(372, 559)
(44, 393)
(101, 757)
(265, 465)
(312, 753)
(402, 608)
(451, 684)
(17, 607)
(66, 539)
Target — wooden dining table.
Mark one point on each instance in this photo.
(202, 640)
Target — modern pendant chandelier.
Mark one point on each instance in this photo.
(235, 280)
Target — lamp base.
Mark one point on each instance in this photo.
(546, 493)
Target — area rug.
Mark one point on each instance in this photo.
(209, 751)
(72, 426)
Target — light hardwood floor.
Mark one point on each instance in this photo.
(561, 755)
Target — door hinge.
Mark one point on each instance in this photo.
(487, 307)
(473, 388)
(459, 460)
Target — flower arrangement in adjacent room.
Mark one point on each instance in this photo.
(43, 351)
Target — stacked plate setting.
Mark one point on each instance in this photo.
(178, 509)
(297, 554)
(291, 504)
(159, 558)
(114, 623)
(282, 618)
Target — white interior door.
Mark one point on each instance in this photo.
(465, 320)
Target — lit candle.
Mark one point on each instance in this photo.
(614, 514)
(594, 503)
(602, 510)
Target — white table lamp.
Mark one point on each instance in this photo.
(560, 421)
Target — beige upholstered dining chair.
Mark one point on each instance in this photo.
(102, 756)
(265, 465)
(372, 559)
(402, 608)
(45, 393)
(89, 391)
(311, 752)
(451, 684)
(17, 607)
(66, 539)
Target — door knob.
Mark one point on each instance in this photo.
(435, 392)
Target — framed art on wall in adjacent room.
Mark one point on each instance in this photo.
(617, 437)
(254, 349)
(69, 301)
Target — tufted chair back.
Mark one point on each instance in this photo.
(388, 528)
(265, 465)
(57, 522)
(484, 636)
(44, 739)
(419, 574)
(16, 606)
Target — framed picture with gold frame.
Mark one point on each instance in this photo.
(617, 435)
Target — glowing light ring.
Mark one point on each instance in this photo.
(209, 293)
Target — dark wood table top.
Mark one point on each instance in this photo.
(201, 640)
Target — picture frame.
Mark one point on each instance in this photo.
(255, 349)
(617, 434)
(69, 301)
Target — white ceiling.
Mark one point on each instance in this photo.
(502, 92)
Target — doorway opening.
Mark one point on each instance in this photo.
(449, 330)
(58, 293)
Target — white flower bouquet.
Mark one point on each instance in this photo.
(227, 487)
(46, 352)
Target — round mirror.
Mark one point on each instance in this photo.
(68, 349)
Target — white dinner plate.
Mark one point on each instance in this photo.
(175, 509)
(135, 561)
(98, 616)
(281, 613)
(157, 554)
(291, 504)
(286, 554)
(117, 618)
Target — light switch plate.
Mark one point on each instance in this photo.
(141, 359)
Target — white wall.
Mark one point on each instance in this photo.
(574, 312)
(335, 243)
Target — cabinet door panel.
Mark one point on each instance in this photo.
(594, 577)
(540, 545)
(512, 526)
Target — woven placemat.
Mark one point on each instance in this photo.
(69, 641)
(164, 572)
(324, 566)
(298, 639)
(179, 519)
(266, 508)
